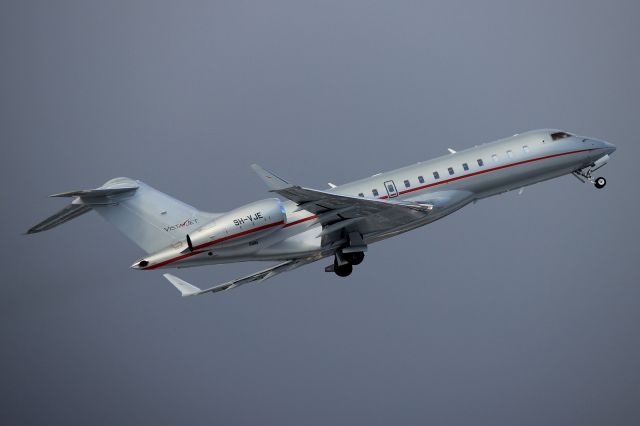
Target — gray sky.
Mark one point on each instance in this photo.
(518, 310)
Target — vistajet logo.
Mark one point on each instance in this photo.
(184, 224)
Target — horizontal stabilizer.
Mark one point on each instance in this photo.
(85, 200)
(273, 182)
(66, 214)
(150, 218)
(99, 192)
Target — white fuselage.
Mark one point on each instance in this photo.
(448, 183)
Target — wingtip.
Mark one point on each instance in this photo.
(273, 181)
(183, 287)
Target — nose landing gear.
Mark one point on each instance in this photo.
(584, 175)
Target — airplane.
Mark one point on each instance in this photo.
(306, 225)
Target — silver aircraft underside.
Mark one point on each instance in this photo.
(304, 225)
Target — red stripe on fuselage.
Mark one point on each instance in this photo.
(166, 262)
(239, 234)
(493, 169)
(210, 243)
(304, 219)
(417, 188)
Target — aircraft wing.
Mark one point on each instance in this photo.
(187, 289)
(354, 214)
(318, 202)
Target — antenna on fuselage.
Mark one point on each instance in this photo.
(451, 151)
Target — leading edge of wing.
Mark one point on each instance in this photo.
(306, 197)
(187, 289)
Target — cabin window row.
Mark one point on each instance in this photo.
(436, 175)
(450, 170)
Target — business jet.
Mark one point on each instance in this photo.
(306, 225)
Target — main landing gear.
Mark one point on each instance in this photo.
(342, 270)
(343, 263)
(584, 175)
(348, 256)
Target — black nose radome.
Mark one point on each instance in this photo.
(143, 263)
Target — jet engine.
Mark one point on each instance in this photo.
(246, 223)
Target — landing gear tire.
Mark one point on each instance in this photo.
(342, 270)
(354, 258)
(600, 182)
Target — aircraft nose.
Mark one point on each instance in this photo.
(608, 147)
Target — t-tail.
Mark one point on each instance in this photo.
(150, 218)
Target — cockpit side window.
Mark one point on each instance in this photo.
(560, 135)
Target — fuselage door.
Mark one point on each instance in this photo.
(391, 188)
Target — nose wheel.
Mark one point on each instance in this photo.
(584, 175)
(600, 182)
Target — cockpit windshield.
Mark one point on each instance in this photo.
(560, 135)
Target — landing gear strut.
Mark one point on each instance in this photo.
(355, 258)
(586, 175)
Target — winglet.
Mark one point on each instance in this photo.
(184, 287)
(273, 182)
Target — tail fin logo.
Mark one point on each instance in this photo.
(184, 224)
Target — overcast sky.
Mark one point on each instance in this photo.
(517, 310)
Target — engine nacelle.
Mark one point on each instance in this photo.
(246, 223)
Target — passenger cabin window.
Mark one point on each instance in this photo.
(361, 195)
(391, 189)
(420, 179)
(436, 175)
(525, 148)
(407, 184)
(450, 170)
(559, 135)
(509, 154)
(465, 166)
(480, 162)
(495, 158)
(374, 192)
